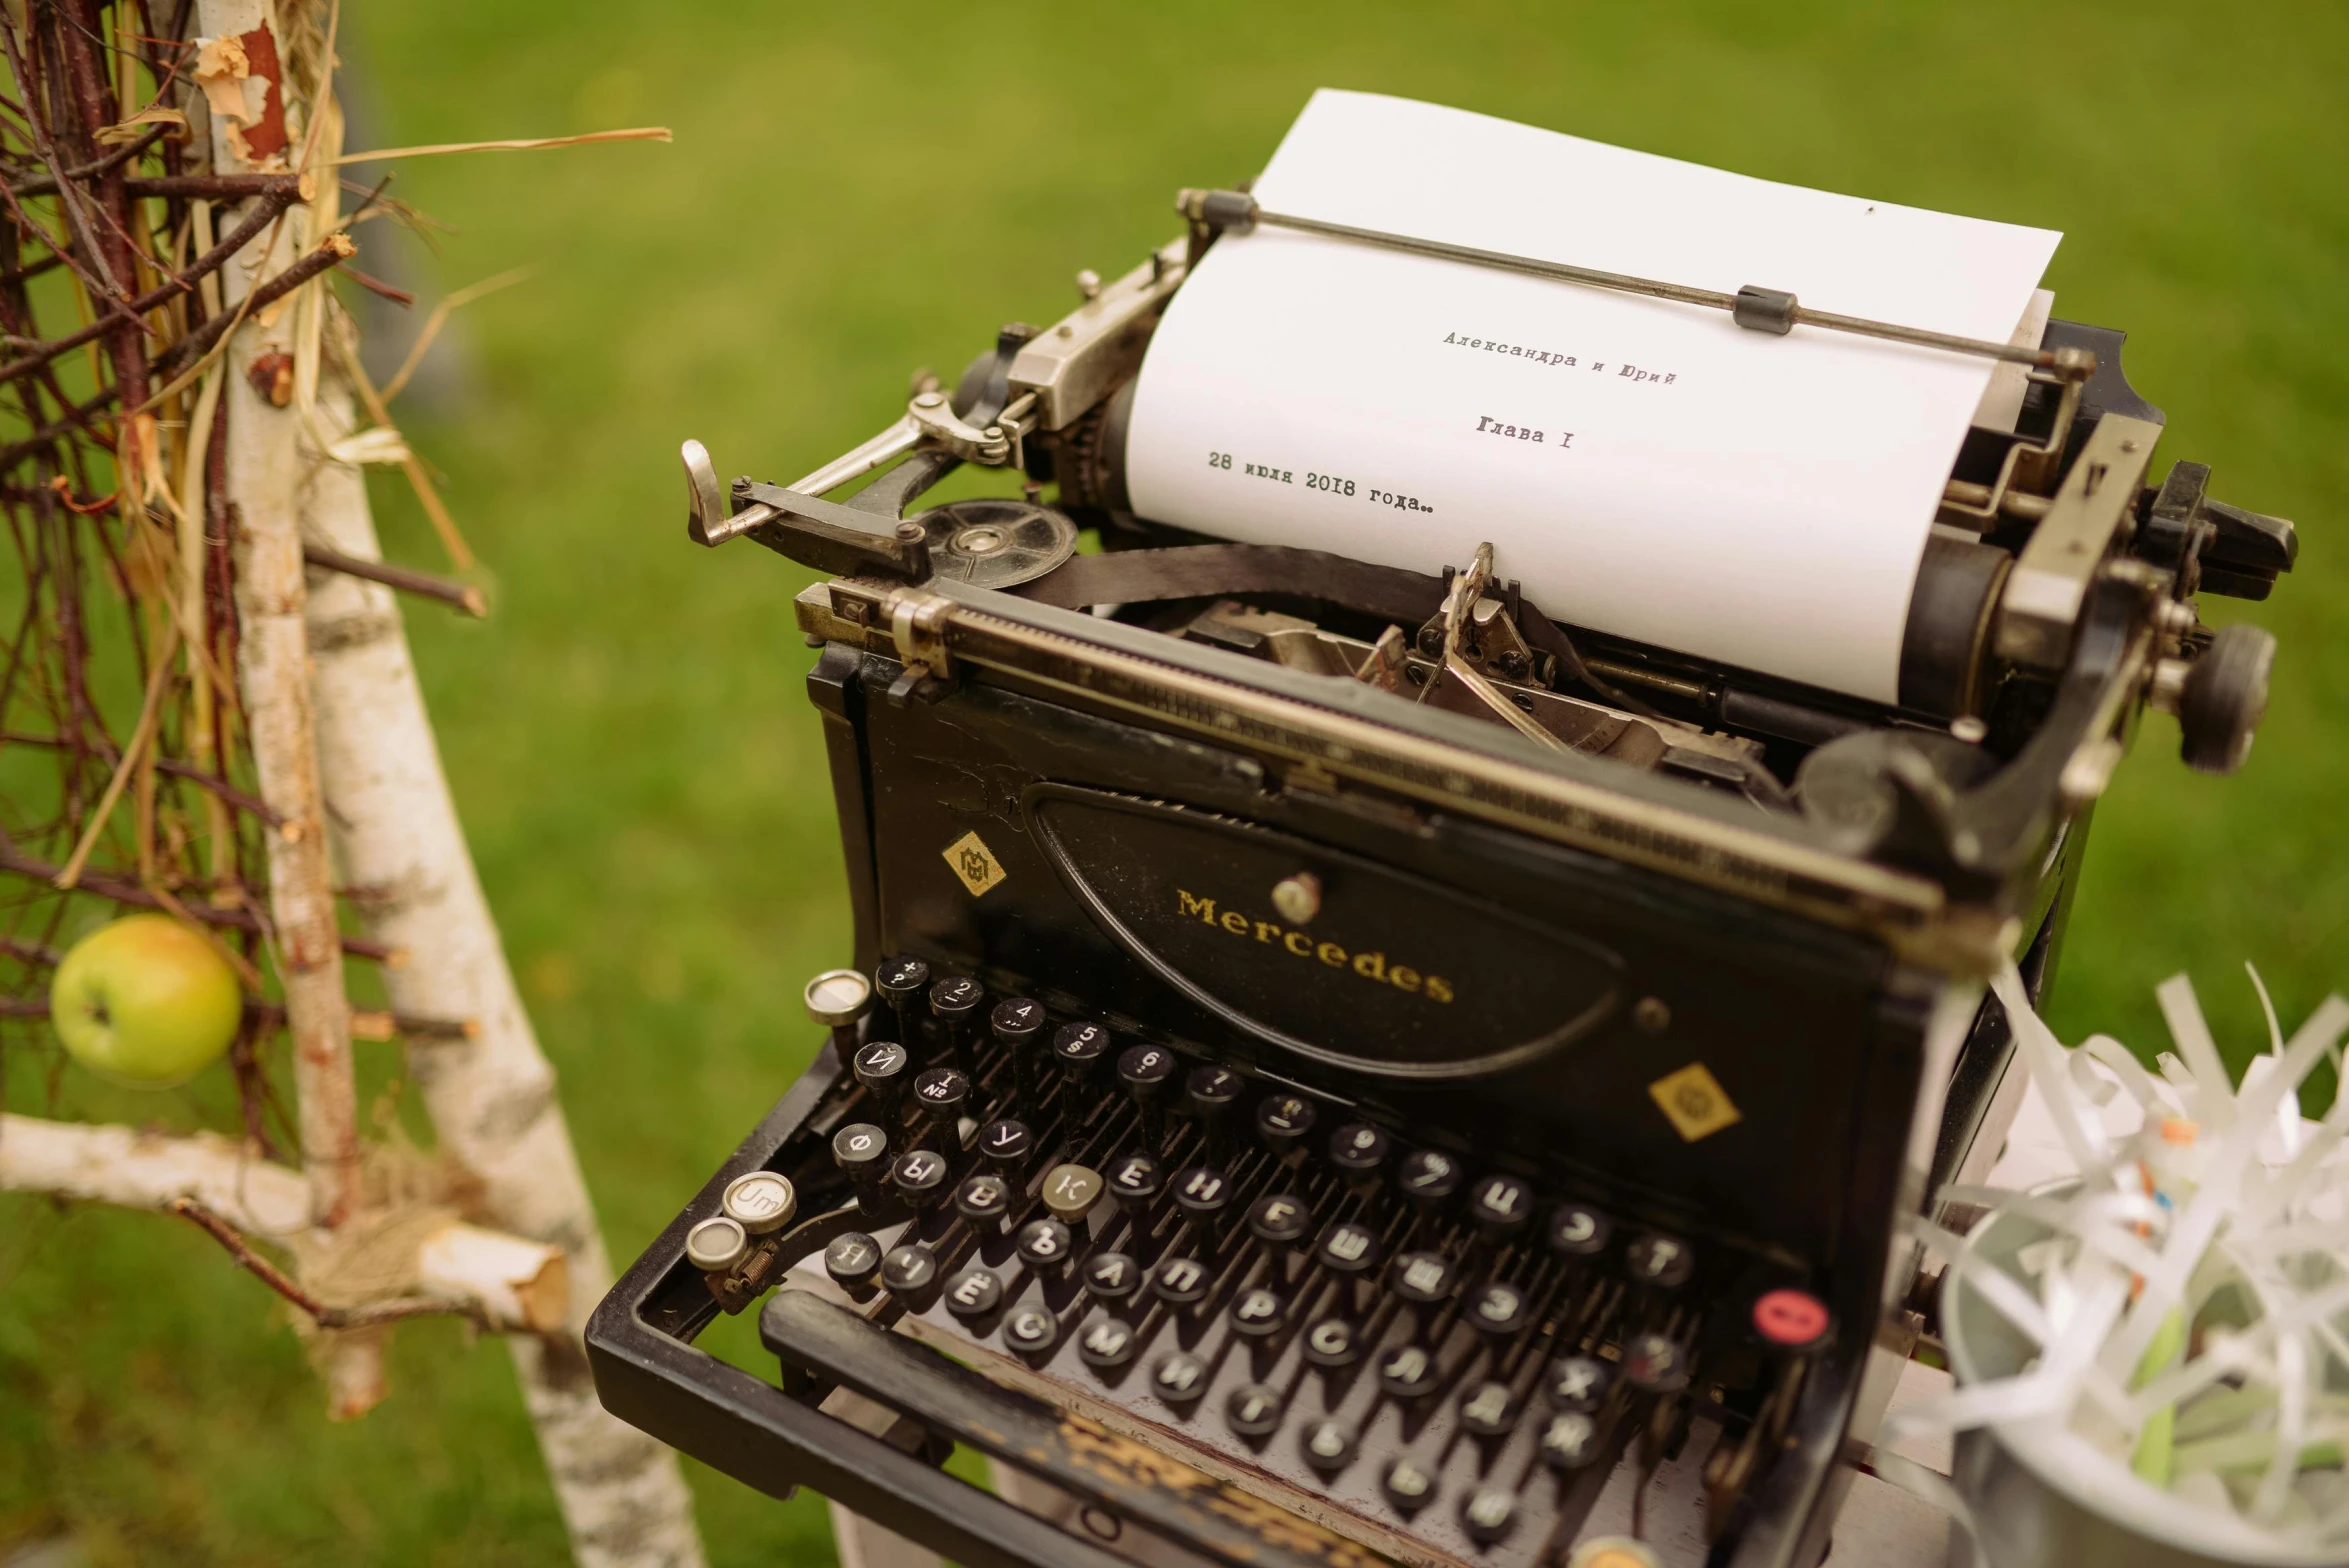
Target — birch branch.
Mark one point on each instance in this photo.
(503, 1283)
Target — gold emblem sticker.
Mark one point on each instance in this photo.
(1693, 1100)
(976, 864)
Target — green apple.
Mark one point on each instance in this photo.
(146, 1002)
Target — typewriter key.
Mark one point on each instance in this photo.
(861, 1150)
(1488, 1514)
(1500, 1206)
(1579, 1382)
(1579, 1231)
(1347, 1248)
(909, 1270)
(919, 1176)
(1111, 1276)
(1490, 1410)
(1427, 1179)
(974, 1293)
(1284, 1121)
(1145, 1071)
(1006, 1146)
(1497, 1307)
(1134, 1180)
(1079, 1049)
(1179, 1378)
(1253, 1410)
(1279, 1221)
(941, 1092)
(1044, 1246)
(1257, 1314)
(852, 1260)
(1662, 1261)
(985, 1201)
(901, 982)
(1030, 1330)
(1407, 1487)
(1328, 1445)
(1570, 1441)
(1016, 1023)
(1359, 1152)
(760, 1202)
(1107, 1342)
(1212, 1092)
(881, 1066)
(716, 1244)
(1653, 1364)
(1333, 1342)
(953, 1002)
(1070, 1191)
(1792, 1320)
(1203, 1194)
(1423, 1278)
(1407, 1372)
(1179, 1282)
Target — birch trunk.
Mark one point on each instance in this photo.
(262, 463)
(491, 1097)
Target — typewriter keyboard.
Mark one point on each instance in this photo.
(1443, 1361)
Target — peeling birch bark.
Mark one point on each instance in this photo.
(491, 1097)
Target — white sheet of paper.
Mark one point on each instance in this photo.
(1646, 468)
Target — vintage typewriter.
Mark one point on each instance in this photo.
(1339, 1066)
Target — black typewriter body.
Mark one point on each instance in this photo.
(1424, 1144)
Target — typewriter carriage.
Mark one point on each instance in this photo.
(1677, 849)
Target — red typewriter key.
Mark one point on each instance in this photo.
(1791, 1319)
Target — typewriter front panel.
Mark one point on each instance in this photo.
(1466, 988)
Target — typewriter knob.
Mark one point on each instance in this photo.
(954, 1002)
(1579, 1231)
(1488, 1514)
(1145, 1071)
(1653, 1364)
(1424, 1278)
(1136, 1180)
(1045, 1246)
(1015, 1023)
(1347, 1248)
(837, 998)
(1179, 1281)
(1006, 1145)
(1497, 1308)
(909, 1271)
(1079, 1049)
(1203, 1193)
(1284, 1122)
(2223, 698)
(1490, 1409)
(941, 1092)
(974, 1293)
(1427, 1179)
(1407, 1486)
(1112, 1276)
(1791, 1320)
(1279, 1221)
(1179, 1378)
(1259, 1313)
(1030, 1330)
(1213, 1091)
(1570, 1441)
(1659, 1260)
(901, 982)
(852, 1260)
(761, 1202)
(1580, 1382)
(1328, 1445)
(1500, 1206)
(716, 1244)
(1408, 1372)
(984, 1201)
(1070, 1191)
(882, 1067)
(919, 1175)
(1254, 1410)
(1359, 1152)
(861, 1150)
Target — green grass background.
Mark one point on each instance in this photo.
(855, 191)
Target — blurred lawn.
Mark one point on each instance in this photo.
(855, 191)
